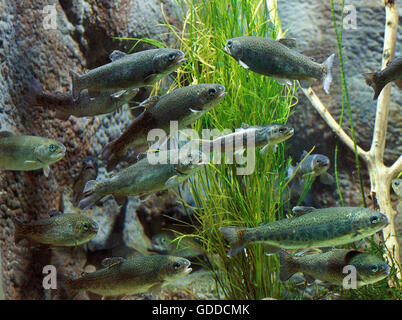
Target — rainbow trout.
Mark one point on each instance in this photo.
(316, 228)
(278, 59)
(261, 136)
(86, 106)
(128, 71)
(184, 105)
(186, 247)
(315, 165)
(141, 178)
(25, 153)
(329, 266)
(130, 276)
(62, 229)
(378, 80)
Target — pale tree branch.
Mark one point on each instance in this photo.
(381, 121)
(396, 168)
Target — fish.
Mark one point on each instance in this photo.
(280, 60)
(264, 136)
(164, 243)
(142, 178)
(313, 165)
(316, 228)
(26, 153)
(392, 73)
(61, 229)
(89, 171)
(130, 276)
(185, 105)
(328, 266)
(128, 71)
(87, 106)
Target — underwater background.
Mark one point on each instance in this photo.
(86, 33)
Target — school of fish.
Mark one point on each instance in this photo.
(107, 88)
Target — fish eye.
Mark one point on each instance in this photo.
(176, 265)
(282, 130)
(374, 268)
(172, 56)
(86, 226)
(212, 91)
(229, 44)
(52, 148)
(374, 219)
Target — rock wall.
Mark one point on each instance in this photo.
(82, 39)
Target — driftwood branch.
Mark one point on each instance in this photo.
(380, 175)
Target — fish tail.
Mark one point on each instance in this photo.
(372, 81)
(75, 79)
(35, 89)
(326, 83)
(235, 237)
(287, 265)
(90, 195)
(20, 232)
(112, 155)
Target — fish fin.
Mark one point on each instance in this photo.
(62, 115)
(290, 171)
(20, 231)
(300, 210)
(116, 55)
(287, 265)
(290, 42)
(326, 178)
(264, 149)
(46, 171)
(326, 82)
(239, 152)
(4, 134)
(173, 181)
(90, 195)
(53, 213)
(148, 103)
(30, 163)
(371, 80)
(244, 125)
(269, 250)
(75, 79)
(120, 200)
(108, 262)
(282, 81)
(148, 80)
(306, 83)
(155, 288)
(398, 83)
(34, 90)
(117, 95)
(234, 235)
(243, 64)
(194, 111)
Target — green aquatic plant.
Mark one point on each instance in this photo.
(222, 195)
